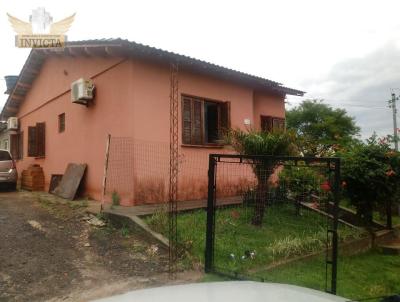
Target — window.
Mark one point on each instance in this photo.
(4, 155)
(270, 123)
(16, 145)
(204, 121)
(61, 122)
(6, 144)
(36, 140)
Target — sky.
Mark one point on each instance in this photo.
(345, 52)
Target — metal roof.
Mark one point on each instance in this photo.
(120, 47)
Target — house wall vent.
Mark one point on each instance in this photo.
(12, 123)
(82, 91)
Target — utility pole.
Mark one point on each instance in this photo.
(392, 104)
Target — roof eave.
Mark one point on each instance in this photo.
(119, 47)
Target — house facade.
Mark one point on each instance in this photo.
(4, 137)
(132, 87)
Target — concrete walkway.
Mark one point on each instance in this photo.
(135, 212)
(188, 205)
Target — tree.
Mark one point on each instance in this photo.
(263, 143)
(321, 128)
(371, 175)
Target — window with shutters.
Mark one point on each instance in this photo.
(270, 123)
(36, 140)
(16, 145)
(204, 121)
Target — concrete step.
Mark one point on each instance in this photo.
(391, 248)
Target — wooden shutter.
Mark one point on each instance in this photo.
(197, 126)
(186, 121)
(278, 124)
(41, 139)
(266, 123)
(32, 150)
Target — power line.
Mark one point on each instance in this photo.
(352, 105)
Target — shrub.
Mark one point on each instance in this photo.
(159, 220)
(262, 143)
(371, 175)
(300, 182)
(115, 198)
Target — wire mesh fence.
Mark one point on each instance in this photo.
(247, 217)
(268, 218)
(138, 172)
(283, 223)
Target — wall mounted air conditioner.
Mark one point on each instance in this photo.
(12, 123)
(82, 91)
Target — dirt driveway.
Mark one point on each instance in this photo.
(48, 252)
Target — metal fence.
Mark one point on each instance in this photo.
(138, 172)
(281, 225)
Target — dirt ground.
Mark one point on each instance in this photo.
(49, 252)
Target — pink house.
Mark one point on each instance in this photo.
(131, 103)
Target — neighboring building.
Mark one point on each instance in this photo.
(132, 101)
(9, 128)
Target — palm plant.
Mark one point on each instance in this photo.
(277, 143)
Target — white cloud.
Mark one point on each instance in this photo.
(363, 86)
(289, 41)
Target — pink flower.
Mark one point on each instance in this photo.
(390, 173)
(325, 186)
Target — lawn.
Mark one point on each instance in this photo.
(359, 276)
(283, 236)
(243, 248)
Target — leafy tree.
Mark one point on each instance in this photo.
(321, 129)
(263, 143)
(371, 175)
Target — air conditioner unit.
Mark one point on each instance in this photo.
(82, 91)
(12, 123)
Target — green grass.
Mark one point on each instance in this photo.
(360, 276)
(283, 235)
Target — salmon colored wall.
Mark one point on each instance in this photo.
(132, 101)
(85, 127)
(151, 90)
(269, 105)
(151, 95)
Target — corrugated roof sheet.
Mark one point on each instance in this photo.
(37, 56)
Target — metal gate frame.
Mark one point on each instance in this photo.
(333, 165)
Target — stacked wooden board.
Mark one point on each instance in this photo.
(33, 178)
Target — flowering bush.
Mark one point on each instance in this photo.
(301, 182)
(371, 173)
